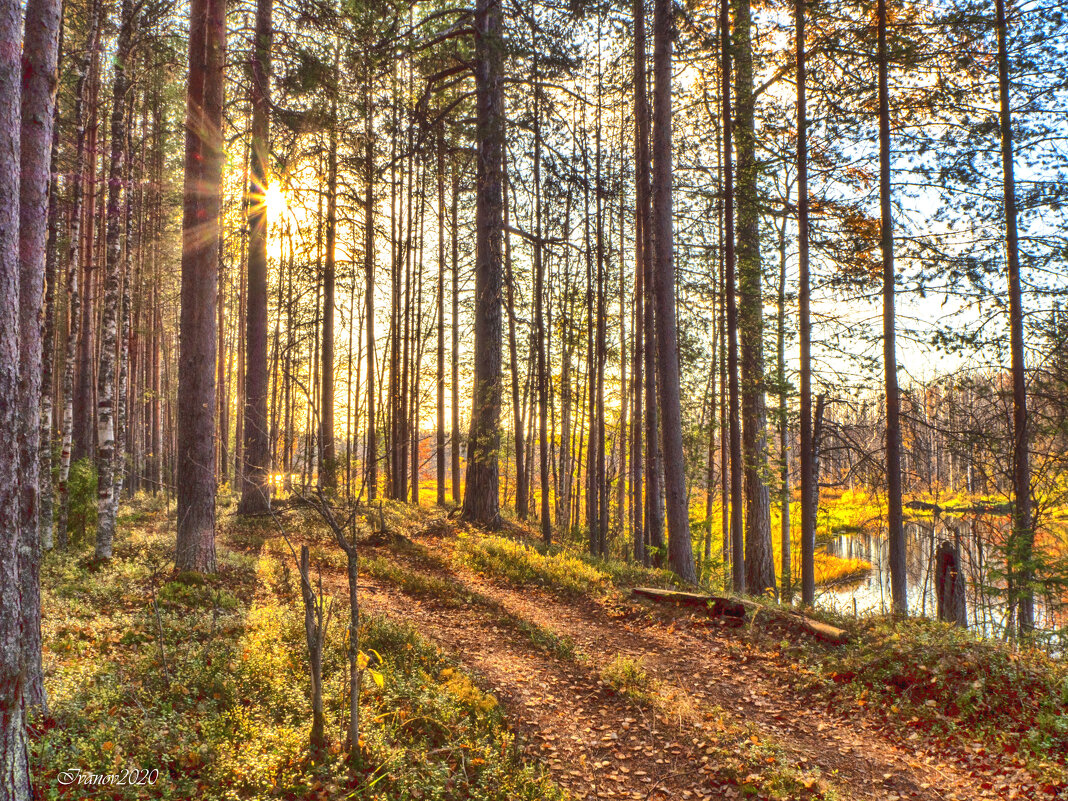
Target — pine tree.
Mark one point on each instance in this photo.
(195, 477)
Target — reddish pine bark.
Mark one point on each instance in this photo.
(255, 492)
(14, 763)
(680, 548)
(195, 477)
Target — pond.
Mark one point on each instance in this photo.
(981, 562)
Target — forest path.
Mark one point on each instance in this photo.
(718, 721)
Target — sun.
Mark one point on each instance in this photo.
(275, 201)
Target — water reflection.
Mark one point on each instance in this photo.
(980, 564)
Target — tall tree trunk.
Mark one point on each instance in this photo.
(83, 390)
(654, 511)
(642, 257)
(14, 754)
(156, 381)
(522, 477)
(393, 391)
(255, 472)
(481, 500)
(724, 427)
(454, 428)
(623, 431)
(405, 398)
(680, 547)
(759, 562)
(107, 397)
(597, 422)
(242, 349)
(539, 325)
(47, 495)
(563, 483)
(417, 342)
(590, 407)
(894, 527)
(1023, 533)
(125, 307)
(74, 294)
(222, 373)
(328, 468)
(37, 116)
(809, 495)
(371, 458)
(195, 477)
(786, 578)
(737, 553)
(440, 443)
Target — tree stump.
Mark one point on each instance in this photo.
(950, 585)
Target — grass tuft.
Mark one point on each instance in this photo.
(626, 675)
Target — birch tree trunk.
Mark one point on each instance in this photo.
(107, 397)
(74, 297)
(46, 490)
(125, 312)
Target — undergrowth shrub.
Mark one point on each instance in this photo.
(214, 695)
(524, 565)
(560, 568)
(82, 494)
(941, 678)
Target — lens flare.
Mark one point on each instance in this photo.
(275, 201)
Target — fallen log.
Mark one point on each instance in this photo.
(717, 606)
(823, 631)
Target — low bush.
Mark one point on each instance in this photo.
(938, 678)
(213, 694)
(524, 565)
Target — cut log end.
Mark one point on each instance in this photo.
(822, 631)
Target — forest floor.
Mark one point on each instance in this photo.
(622, 699)
(506, 672)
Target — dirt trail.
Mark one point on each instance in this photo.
(599, 744)
(595, 744)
